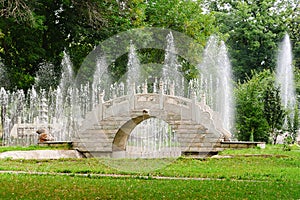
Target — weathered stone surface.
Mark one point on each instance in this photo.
(195, 124)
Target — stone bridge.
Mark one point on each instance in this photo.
(105, 130)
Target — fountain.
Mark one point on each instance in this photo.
(65, 110)
(152, 138)
(67, 76)
(23, 114)
(284, 74)
(45, 76)
(285, 81)
(133, 66)
(216, 80)
(171, 68)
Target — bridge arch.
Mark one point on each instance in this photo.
(197, 127)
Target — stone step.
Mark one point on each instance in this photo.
(98, 133)
(93, 146)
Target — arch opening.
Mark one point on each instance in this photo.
(152, 138)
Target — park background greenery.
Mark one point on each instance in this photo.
(36, 33)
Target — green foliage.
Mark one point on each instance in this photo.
(29, 41)
(287, 142)
(21, 53)
(254, 29)
(273, 110)
(250, 118)
(37, 32)
(183, 16)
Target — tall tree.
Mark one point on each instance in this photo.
(250, 118)
(254, 29)
(187, 17)
(273, 111)
(35, 32)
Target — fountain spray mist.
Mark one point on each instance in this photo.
(216, 80)
(284, 74)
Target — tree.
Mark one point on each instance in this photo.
(274, 112)
(186, 17)
(254, 29)
(250, 118)
(37, 32)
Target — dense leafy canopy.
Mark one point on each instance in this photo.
(37, 32)
(254, 28)
(250, 120)
(273, 110)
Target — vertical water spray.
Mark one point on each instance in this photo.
(67, 74)
(171, 67)
(45, 76)
(64, 100)
(101, 79)
(216, 80)
(284, 74)
(225, 99)
(208, 70)
(152, 138)
(133, 66)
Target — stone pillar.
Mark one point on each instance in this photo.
(131, 96)
(161, 94)
(155, 85)
(172, 89)
(145, 88)
(43, 111)
(203, 99)
(100, 106)
(194, 100)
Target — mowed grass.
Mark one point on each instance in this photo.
(73, 187)
(33, 147)
(269, 173)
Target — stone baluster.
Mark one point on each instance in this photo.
(172, 89)
(155, 85)
(161, 87)
(114, 94)
(161, 94)
(194, 100)
(145, 87)
(101, 101)
(203, 99)
(132, 88)
(131, 96)
(121, 89)
(44, 111)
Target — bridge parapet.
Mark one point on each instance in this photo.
(198, 127)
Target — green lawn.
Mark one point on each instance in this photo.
(69, 187)
(269, 173)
